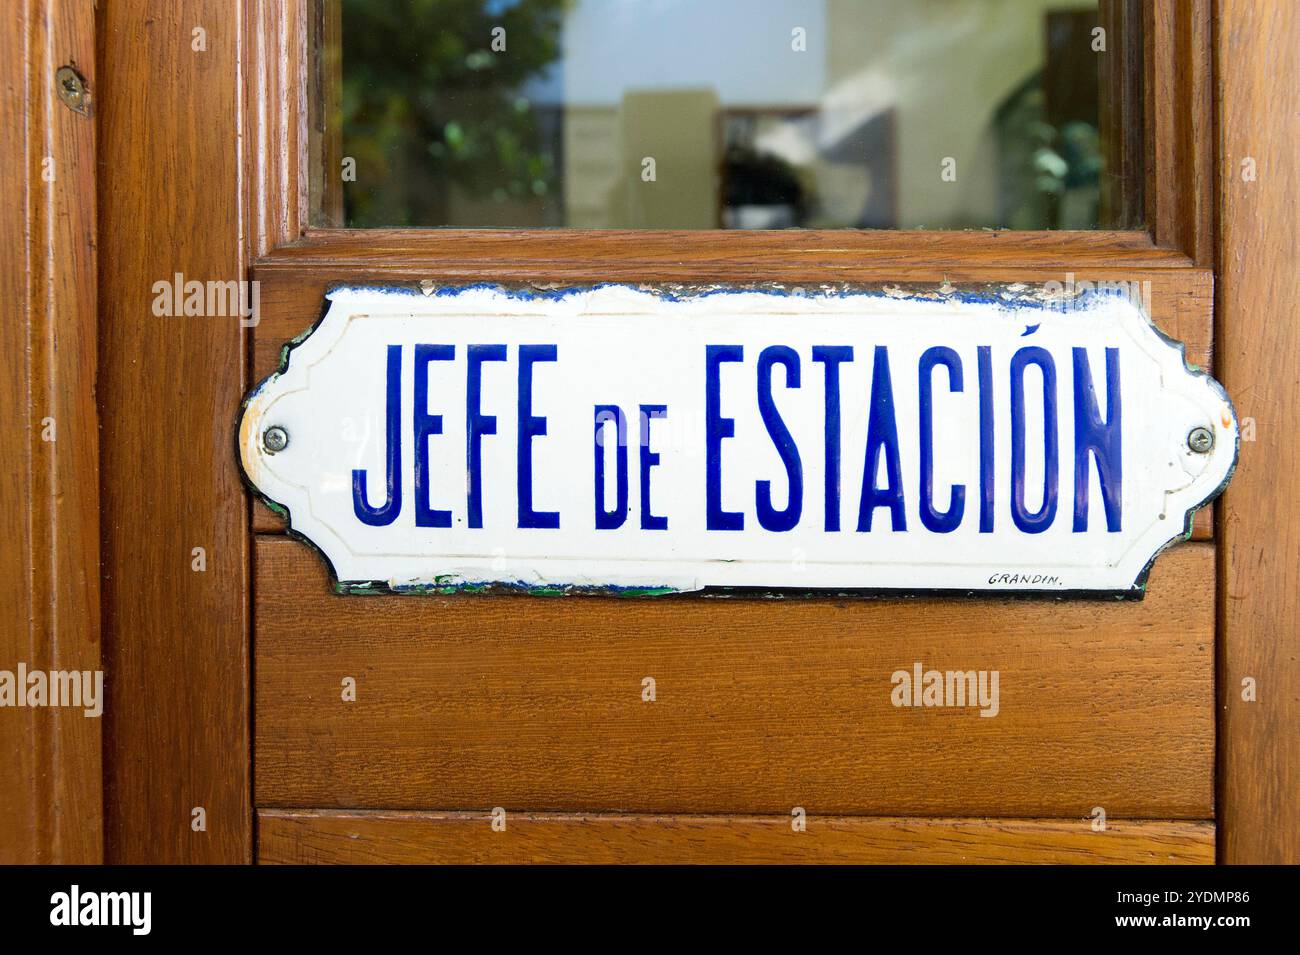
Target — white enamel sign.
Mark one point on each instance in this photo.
(647, 441)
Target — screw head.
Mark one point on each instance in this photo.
(275, 438)
(71, 88)
(1200, 440)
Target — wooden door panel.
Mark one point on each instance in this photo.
(286, 836)
(535, 704)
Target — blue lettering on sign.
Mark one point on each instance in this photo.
(531, 426)
(716, 428)
(477, 424)
(387, 512)
(832, 356)
(648, 459)
(610, 518)
(882, 439)
(987, 487)
(1037, 521)
(423, 426)
(940, 522)
(768, 516)
(1098, 441)
(1098, 438)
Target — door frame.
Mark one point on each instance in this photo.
(200, 171)
(50, 773)
(1257, 195)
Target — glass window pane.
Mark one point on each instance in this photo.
(728, 114)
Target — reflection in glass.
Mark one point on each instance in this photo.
(728, 114)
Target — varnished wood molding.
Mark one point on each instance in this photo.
(322, 836)
(1258, 78)
(1179, 119)
(50, 782)
(176, 639)
(882, 254)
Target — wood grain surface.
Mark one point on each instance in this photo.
(536, 704)
(1179, 120)
(277, 102)
(176, 639)
(51, 793)
(864, 254)
(317, 836)
(1258, 80)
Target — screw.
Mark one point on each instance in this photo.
(71, 88)
(1200, 440)
(275, 438)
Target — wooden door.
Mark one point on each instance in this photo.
(516, 728)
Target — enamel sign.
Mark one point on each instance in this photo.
(623, 439)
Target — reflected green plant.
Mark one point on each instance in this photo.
(431, 110)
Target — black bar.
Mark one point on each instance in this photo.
(662, 906)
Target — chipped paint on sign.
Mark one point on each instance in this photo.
(654, 440)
